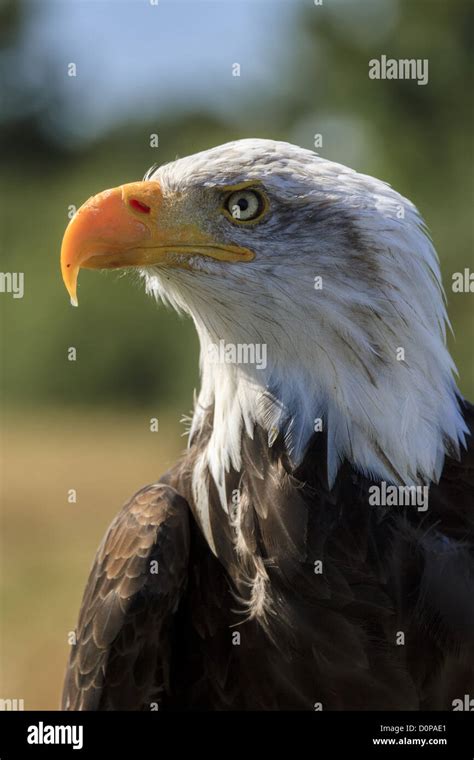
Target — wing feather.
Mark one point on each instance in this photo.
(122, 651)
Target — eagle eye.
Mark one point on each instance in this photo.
(245, 205)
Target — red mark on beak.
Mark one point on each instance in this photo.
(139, 206)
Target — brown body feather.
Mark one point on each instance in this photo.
(256, 627)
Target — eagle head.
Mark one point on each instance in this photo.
(316, 294)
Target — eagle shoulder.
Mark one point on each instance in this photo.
(121, 657)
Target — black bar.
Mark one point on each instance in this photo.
(317, 735)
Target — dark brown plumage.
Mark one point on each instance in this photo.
(169, 639)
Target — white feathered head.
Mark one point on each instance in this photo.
(326, 274)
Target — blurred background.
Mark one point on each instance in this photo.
(165, 69)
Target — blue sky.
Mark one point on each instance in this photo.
(133, 57)
(139, 60)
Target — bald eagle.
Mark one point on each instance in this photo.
(313, 548)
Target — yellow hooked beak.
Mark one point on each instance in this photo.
(128, 227)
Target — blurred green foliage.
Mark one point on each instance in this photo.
(130, 351)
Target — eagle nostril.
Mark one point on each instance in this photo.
(139, 206)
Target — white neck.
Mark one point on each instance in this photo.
(391, 422)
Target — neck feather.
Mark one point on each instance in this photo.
(392, 419)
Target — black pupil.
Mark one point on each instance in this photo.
(243, 204)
